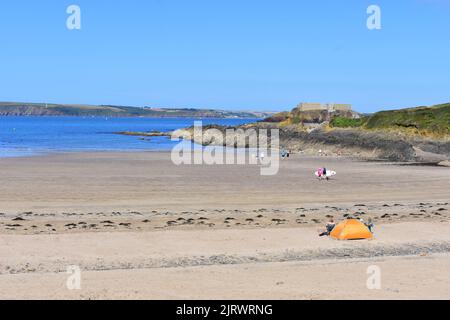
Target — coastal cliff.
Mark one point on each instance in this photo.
(407, 135)
(41, 109)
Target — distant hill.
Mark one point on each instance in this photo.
(41, 109)
(434, 120)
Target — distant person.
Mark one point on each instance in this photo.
(329, 227)
(370, 225)
(262, 156)
(320, 172)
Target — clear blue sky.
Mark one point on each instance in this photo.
(229, 54)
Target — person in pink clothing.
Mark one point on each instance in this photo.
(320, 172)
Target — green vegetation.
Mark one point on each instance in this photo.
(343, 122)
(433, 120)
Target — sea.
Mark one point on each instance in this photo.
(30, 136)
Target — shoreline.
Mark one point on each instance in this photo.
(50, 153)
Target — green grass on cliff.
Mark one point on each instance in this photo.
(433, 120)
(342, 122)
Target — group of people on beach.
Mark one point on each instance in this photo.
(285, 154)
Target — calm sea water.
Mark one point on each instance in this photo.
(23, 136)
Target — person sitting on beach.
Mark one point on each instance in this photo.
(369, 224)
(328, 228)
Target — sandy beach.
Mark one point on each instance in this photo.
(139, 227)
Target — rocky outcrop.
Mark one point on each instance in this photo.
(357, 143)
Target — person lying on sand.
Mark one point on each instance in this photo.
(328, 228)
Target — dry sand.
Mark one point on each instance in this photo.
(140, 227)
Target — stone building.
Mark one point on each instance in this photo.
(330, 107)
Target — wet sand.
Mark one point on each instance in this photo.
(122, 217)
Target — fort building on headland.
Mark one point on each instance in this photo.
(330, 107)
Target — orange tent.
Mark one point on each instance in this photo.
(351, 230)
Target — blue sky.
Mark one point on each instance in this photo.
(247, 54)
